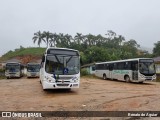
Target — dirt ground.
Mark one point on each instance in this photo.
(94, 94)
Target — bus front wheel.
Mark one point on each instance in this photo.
(127, 79)
(104, 77)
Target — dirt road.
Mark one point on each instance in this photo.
(94, 94)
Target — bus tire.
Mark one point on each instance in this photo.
(127, 78)
(104, 77)
(68, 89)
(141, 82)
(45, 89)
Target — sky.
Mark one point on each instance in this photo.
(133, 19)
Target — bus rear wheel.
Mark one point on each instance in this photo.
(127, 79)
(141, 82)
(104, 77)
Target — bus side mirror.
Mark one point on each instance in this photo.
(81, 62)
(43, 58)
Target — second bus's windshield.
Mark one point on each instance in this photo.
(33, 68)
(146, 66)
(61, 64)
(13, 67)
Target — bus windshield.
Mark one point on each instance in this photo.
(33, 68)
(146, 67)
(13, 67)
(62, 64)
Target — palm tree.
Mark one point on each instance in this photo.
(62, 40)
(68, 39)
(53, 39)
(48, 37)
(38, 37)
(79, 38)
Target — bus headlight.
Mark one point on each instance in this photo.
(50, 80)
(154, 76)
(142, 76)
(74, 79)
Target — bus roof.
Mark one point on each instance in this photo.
(123, 60)
(55, 48)
(33, 63)
(13, 63)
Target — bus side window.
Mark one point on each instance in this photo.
(115, 66)
(121, 66)
(106, 66)
(111, 67)
(134, 65)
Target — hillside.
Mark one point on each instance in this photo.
(24, 54)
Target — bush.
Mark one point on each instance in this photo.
(84, 72)
(2, 70)
(2, 74)
(158, 78)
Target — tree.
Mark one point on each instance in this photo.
(131, 47)
(96, 54)
(79, 38)
(61, 40)
(110, 34)
(67, 40)
(47, 36)
(53, 39)
(38, 36)
(95, 48)
(100, 40)
(156, 49)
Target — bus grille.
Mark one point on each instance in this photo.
(12, 73)
(148, 78)
(64, 78)
(62, 84)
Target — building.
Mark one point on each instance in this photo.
(89, 67)
(2, 65)
(157, 64)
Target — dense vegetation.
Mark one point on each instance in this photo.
(93, 48)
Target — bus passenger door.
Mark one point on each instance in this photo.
(134, 68)
(111, 71)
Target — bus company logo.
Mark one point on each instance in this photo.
(6, 114)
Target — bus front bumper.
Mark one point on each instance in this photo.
(48, 85)
(147, 78)
(10, 75)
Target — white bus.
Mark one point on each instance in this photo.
(131, 70)
(33, 69)
(13, 69)
(60, 69)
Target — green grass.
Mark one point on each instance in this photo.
(22, 52)
(2, 77)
